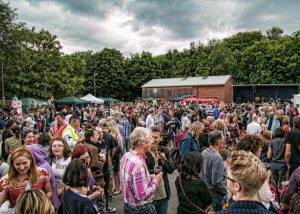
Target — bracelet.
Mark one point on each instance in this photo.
(90, 197)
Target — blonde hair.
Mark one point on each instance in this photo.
(13, 173)
(33, 201)
(248, 171)
(210, 119)
(267, 135)
(194, 126)
(113, 127)
(138, 134)
(219, 125)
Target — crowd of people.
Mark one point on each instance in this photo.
(229, 158)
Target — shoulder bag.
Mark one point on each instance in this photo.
(208, 210)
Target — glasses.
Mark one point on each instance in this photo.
(232, 180)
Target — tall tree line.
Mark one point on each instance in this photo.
(34, 65)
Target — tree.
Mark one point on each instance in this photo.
(140, 68)
(275, 33)
(107, 66)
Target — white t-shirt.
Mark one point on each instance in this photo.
(31, 122)
(149, 121)
(59, 167)
(253, 128)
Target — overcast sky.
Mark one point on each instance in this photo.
(153, 25)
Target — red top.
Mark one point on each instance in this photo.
(59, 130)
(179, 138)
(12, 192)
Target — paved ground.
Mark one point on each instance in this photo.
(118, 200)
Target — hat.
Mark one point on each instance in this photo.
(79, 150)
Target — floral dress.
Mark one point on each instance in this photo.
(291, 189)
(234, 133)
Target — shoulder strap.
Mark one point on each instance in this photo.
(63, 203)
(182, 190)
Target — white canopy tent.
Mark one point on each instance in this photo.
(296, 99)
(92, 99)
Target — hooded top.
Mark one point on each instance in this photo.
(39, 154)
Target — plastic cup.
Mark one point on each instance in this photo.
(157, 169)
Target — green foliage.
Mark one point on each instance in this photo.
(34, 65)
(105, 72)
(141, 68)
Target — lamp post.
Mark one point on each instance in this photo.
(2, 79)
(94, 84)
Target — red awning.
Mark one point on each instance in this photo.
(197, 100)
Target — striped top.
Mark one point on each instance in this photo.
(136, 183)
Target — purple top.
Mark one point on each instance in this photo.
(39, 154)
(91, 184)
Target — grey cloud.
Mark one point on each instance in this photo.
(180, 17)
(264, 14)
(180, 21)
(96, 8)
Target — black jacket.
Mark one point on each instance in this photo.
(167, 168)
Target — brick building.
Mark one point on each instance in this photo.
(219, 87)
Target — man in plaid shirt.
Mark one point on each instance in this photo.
(137, 185)
(126, 124)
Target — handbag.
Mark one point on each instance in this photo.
(208, 210)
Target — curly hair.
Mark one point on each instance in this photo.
(250, 143)
(219, 125)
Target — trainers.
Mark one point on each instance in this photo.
(110, 210)
(116, 192)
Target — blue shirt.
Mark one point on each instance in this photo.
(245, 207)
(215, 113)
(188, 143)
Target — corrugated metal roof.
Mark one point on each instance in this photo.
(189, 81)
(267, 85)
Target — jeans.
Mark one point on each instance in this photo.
(217, 203)
(126, 146)
(161, 206)
(149, 209)
(279, 175)
(100, 204)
